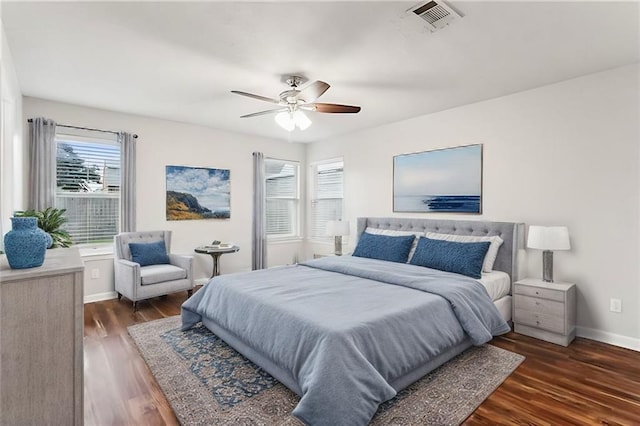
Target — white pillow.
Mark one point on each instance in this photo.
(492, 253)
(394, 233)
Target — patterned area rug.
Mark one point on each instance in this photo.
(207, 382)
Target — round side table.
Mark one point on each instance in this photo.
(215, 254)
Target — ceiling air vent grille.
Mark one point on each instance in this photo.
(437, 14)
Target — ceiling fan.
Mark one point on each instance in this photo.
(294, 102)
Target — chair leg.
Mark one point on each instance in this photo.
(135, 306)
(189, 293)
(119, 296)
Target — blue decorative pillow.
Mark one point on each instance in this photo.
(145, 254)
(384, 247)
(450, 256)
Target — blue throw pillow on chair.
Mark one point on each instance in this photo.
(450, 256)
(384, 247)
(154, 253)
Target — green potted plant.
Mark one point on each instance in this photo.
(50, 220)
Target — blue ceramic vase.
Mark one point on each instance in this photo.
(49, 239)
(26, 244)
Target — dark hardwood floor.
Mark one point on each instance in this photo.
(585, 384)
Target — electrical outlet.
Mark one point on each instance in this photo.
(95, 273)
(615, 305)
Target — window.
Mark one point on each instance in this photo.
(282, 198)
(326, 203)
(88, 186)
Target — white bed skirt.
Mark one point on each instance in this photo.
(504, 306)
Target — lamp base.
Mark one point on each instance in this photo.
(547, 266)
(337, 240)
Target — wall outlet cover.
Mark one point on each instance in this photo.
(615, 305)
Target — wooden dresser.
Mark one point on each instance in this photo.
(545, 310)
(41, 332)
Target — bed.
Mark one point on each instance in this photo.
(347, 333)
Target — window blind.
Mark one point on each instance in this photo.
(328, 188)
(88, 187)
(282, 199)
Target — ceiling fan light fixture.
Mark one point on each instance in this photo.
(292, 102)
(290, 120)
(285, 120)
(301, 120)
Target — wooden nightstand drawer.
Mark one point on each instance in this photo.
(541, 306)
(538, 320)
(545, 310)
(544, 293)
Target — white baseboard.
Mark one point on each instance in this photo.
(201, 281)
(610, 338)
(100, 296)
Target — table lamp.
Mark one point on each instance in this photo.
(336, 229)
(548, 239)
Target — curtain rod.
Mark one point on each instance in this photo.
(85, 128)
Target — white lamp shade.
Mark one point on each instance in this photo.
(548, 238)
(337, 227)
(301, 120)
(290, 120)
(285, 120)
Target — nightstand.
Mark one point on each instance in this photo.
(545, 310)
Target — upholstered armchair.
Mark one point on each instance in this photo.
(156, 272)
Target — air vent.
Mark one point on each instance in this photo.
(437, 14)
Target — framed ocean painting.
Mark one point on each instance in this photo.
(446, 180)
(197, 193)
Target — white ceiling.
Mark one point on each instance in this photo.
(179, 61)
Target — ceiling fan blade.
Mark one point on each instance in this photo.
(335, 108)
(313, 91)
(258, 97)
(270, 111)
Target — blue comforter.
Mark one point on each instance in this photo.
(346, 327)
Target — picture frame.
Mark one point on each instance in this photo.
(197, 193)
(447, 180)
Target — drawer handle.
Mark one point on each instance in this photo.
(537, 322)
(536, 292)
(537, 303)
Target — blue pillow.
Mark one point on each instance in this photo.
(145, 254)
(384, 247)
(451, 256)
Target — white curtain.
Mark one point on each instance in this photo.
(127, 181)
(258, 237)
(42, 163)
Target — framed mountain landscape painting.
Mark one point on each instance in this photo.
(197, 193)
(445, 180)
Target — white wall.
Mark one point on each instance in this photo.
(98, 277)
(563, 154)
(11, 146)
(162, 143)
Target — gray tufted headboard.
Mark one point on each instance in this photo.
(511, 233)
